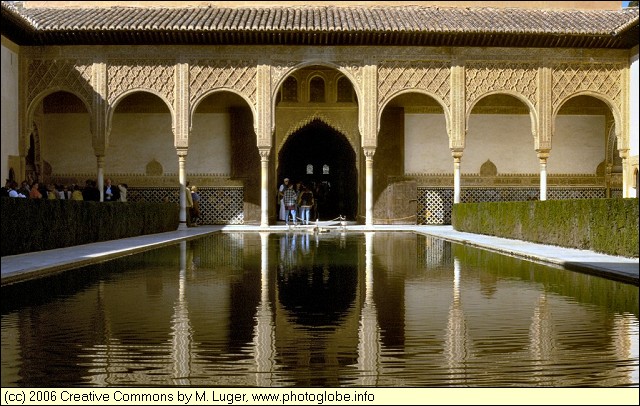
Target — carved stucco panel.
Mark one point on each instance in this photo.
(484, 77)
(68, 74)
(156, 75)
(206, 75)
(603, 78)
(431, 76)
(279, 69)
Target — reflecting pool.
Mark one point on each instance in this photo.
(381, 309)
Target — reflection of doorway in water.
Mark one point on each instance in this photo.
(319, 155)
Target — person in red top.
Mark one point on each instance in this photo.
(35, 191)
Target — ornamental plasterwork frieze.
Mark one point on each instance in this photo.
(486, 77)
(68, 74)
(156, 75)
(603, 78)
(206, 75)
(431, 76)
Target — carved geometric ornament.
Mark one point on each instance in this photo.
(73, 75)
(157, 75)
(430, 76)
(206, 75)
(485, 77)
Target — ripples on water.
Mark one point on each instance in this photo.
(335, 309)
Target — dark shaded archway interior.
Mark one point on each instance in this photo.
(318, 144)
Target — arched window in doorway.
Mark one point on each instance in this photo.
(325, 169)
(309, 169)
(290, 90)
(316, 90)
(345, 91)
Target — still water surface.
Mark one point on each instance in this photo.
(383, 309)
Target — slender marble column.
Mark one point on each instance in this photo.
(264, 187)
(457, 157)
(542, 157)
(182, 177)
(368, 153)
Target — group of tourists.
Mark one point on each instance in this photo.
(88, 192)
(295, 199)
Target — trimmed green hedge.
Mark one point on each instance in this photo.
(38, 224)
(604, 225)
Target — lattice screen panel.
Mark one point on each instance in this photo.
(434, 204)
(218, 205)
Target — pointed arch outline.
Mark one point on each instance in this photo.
(432, 95)
(309, 63)
(316, 116)
(623, 142)
(196, 103)
(35, 102)
(533, 113)
(114, 105)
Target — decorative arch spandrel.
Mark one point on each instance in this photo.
(518, 79)
(596, 78)
(157, 76)
(48, 75)
(395, 76)
(238, 75)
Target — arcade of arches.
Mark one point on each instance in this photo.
(394, 140)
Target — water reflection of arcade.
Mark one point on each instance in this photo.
(310, 295)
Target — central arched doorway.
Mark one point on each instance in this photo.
(322, 158)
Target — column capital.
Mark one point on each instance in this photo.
(543, 154)
(265, 153)
(456, 153)
(369, 152)
(182, 152)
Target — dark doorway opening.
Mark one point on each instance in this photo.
(322, 158)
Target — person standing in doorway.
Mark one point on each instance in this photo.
(282, 212)
(290, 200)
(305, 202)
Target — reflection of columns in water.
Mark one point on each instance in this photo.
(368, 332)
(180, 328)
(455, 345)
(264, 334)
(541, 335)
(625, 341)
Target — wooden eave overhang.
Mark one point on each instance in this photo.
(392, 25)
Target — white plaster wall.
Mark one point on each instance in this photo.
(426, 144)
(578, 144)
(65, 142)
(505, 139)
(210, 144)
(137, 139)
(9, 107)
